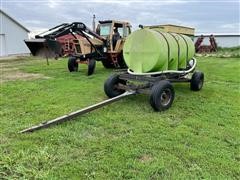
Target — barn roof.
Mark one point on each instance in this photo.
(14, 20)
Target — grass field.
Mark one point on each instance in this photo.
(197, 138)
(232, 52)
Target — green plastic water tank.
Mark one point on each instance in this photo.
(151, 50)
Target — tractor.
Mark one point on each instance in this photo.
(104, 45)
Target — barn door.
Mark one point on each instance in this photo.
(3, 45)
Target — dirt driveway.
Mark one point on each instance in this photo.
(9, 70)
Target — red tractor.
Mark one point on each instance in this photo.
(67, 44)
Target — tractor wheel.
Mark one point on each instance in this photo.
(110, 86)
(162, 96)
(72, 64)
(197, 80)
(121, 61)
(91, 66)
(107, 64)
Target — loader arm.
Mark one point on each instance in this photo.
(47, 39)
(66, 28)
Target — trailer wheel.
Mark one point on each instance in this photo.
(162, 96)
(110, 86)
(72, 64)
(91, 66)
(197, 80)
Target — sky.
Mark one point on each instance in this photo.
(206, 16)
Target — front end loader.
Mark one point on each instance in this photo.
(107, 49)
(104, 45)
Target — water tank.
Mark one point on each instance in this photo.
(151, 50)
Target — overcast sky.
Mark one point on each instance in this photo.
(207, 16)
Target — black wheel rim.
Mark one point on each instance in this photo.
(166, 96)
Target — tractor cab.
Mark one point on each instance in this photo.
(114, 32)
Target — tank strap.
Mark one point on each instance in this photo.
(186, 45)
(167, 45)
(178, 47)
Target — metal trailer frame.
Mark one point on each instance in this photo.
(147, 80)
(147, 83)
(157, 84)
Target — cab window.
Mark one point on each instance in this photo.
(127, 31)
(105, 29)
(120, 30)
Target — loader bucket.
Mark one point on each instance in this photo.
(44, 47)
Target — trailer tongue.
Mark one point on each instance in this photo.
(80, 112)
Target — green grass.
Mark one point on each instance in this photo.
(229, 49)
(223, 52)
(198, 137)
(231, 52)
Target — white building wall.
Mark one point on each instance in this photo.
(12, 37)
(222, 41)
(2, 45)
(228, 41)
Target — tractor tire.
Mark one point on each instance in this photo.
(110, 86)
(162, 95)
(107, 64)
(123, 65)
(72, 64)
(121, 61)
(91, 66)
(196, 82)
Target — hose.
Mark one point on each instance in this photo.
(167, 71)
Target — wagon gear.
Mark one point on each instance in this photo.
(155, 60)
(152, 70)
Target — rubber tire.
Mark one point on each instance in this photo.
(107, 64)
(91, 66)
(109, 84)
(72, 64)
(156, 93)
(196, 82)
(121, 61)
